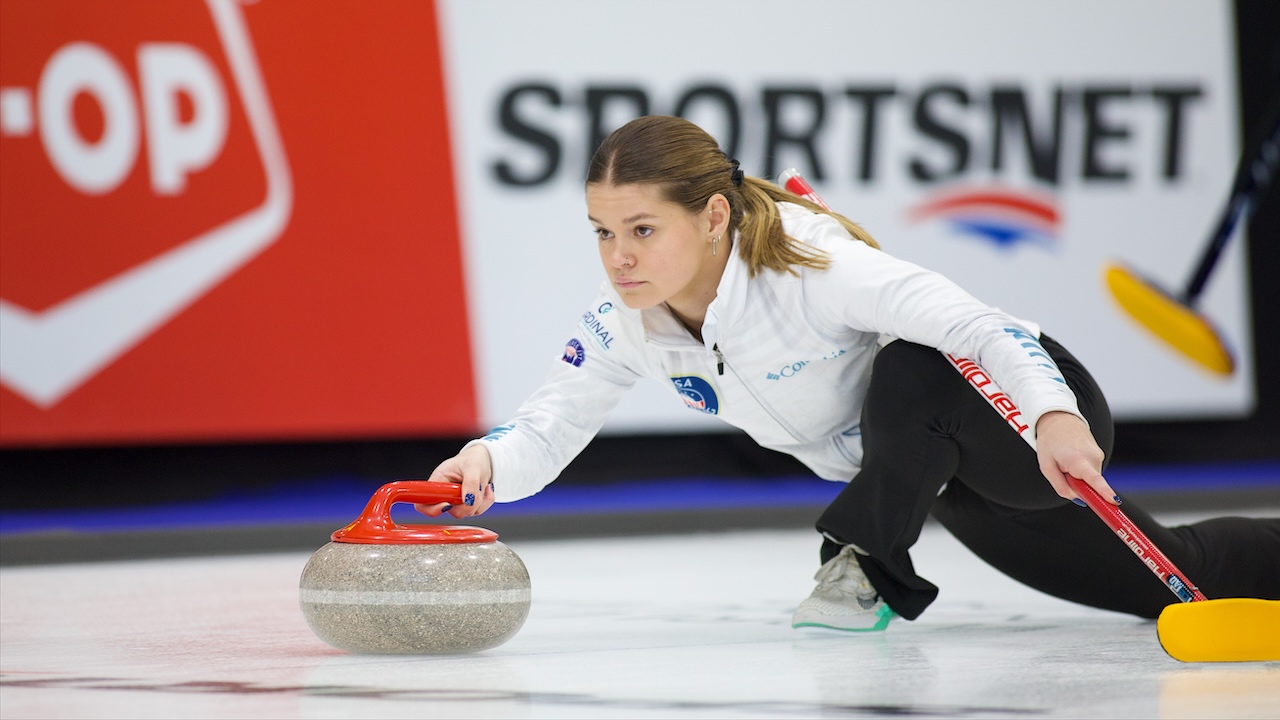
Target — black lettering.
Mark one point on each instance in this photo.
(929, 125)
(597, 100)
(870, 98)
(514, 126)
(1009, 106)
(1173, 99)
(725, 99)
(1097, 131)
(777, 136)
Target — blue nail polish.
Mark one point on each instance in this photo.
(1117, 499)
(446, 509)
(470, 499)
(1079, 502)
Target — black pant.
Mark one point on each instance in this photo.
(924, 426)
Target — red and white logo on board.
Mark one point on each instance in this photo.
(142, 166)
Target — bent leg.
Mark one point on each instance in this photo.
(923, 427)
(908, 455)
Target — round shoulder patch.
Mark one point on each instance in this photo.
(697, 393)
(574, 353)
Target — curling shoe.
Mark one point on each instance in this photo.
(844, 599)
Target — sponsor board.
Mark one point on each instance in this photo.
(229, 221)
(218, 227)
(983, 144)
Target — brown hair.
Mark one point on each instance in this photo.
(688, 167)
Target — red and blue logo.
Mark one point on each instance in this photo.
(996, 214)
(574, 353)
(697, 393)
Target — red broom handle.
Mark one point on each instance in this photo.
(1138, 542)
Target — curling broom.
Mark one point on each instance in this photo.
(1173, 318)
(1196, 629)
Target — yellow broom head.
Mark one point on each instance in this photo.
(1171, 321)
(1223, 630)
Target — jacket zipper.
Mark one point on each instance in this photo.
(720, 365)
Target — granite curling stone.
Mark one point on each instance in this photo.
(380, 587)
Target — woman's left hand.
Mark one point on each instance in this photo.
(1064, 447)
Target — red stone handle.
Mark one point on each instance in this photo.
(375, 526)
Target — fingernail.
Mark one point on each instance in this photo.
(445, 509)
(1079, 502)
(470, 499)
(1117, 499)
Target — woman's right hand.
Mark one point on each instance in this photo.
(473, 470)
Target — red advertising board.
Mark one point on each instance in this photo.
(227, 221)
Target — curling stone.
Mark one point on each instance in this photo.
(380, 587)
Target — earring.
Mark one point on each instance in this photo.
(713, 244)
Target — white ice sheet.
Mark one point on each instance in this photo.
(661, 627)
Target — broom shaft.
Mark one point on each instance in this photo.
(1138, 542)
(1253, 176)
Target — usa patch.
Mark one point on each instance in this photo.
(697, 393)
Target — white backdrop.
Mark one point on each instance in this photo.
(1145, 154)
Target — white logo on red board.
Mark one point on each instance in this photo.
(47, 354)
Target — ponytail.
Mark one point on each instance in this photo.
(765, 246)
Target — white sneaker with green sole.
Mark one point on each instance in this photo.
(844, 599)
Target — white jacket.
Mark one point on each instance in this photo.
(787, 358)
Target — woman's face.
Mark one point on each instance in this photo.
(653, 250)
